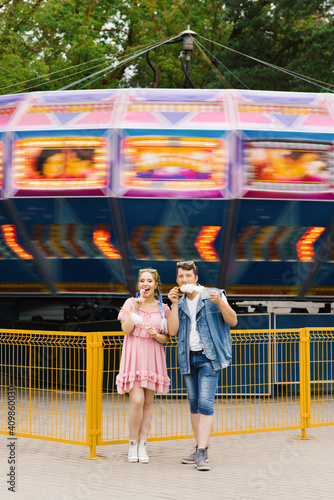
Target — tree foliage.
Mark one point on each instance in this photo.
(51, 44)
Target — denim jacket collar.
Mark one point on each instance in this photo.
(214, 333)
(200, 304)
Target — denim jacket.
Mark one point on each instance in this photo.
(214, 333)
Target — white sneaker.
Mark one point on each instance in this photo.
(133, 452)
(142, 455)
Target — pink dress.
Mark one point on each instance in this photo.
(143, 361)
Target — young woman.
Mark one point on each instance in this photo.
(143, 369)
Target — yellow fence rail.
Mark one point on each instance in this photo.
(61, 386)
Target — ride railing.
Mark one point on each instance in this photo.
(61, 386)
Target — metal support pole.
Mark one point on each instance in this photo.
(304, 381)
(94, 392)
(188, 47)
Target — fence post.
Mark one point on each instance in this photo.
(94, 391)
(305, 380)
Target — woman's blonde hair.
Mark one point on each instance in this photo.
(155, 275)
(157, 280)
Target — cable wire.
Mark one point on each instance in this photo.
(66, 69)
(199, 45)
(104, 72)
(292, 73)
(129, 59)
(109, 69)
(49, 74)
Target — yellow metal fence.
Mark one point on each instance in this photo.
(61, 386)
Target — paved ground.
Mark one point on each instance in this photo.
(272, 465)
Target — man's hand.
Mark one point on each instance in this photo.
(228, 313)
(215, 296)
(173, 295)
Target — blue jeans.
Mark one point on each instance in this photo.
(201, 384)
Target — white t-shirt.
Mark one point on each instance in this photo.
(194, 340)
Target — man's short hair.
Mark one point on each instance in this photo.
(187, 265)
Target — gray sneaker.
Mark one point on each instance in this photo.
(191, 458)
(200, 462)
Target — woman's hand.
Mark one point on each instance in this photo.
(152, 331)
(138, 303)
(162, 338)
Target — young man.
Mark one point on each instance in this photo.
(202, 319)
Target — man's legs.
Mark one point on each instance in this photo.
(194, 417)
(202, 428)
(201, 385)
(191, 383)
(205, 424)
(207, 386)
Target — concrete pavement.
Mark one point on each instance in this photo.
(271, 465)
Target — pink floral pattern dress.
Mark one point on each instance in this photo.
(143, 360)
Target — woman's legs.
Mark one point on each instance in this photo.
(147, 415)
(135, 412)
(140, 413)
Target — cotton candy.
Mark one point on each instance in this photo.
(137, 319)
(192, 288)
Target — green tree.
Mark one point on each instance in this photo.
(51, 44)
